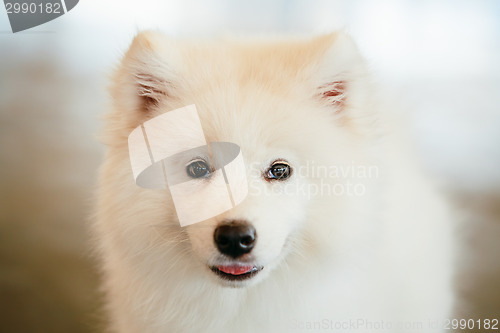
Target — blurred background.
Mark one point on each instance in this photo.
(439, 59)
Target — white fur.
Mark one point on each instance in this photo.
(381, 256)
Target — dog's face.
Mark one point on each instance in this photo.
(286, 104)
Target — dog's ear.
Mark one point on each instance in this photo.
(144, 78)
(340, 73)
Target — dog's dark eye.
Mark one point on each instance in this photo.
(197, 169)
(278, 171)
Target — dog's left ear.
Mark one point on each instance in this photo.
(145, 78)
(340, 73)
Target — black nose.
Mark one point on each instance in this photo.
(235, 238)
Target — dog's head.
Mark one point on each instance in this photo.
(290, 105)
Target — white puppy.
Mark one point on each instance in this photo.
(338, 231)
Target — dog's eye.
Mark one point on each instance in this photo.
(198, 169)
(278, 171)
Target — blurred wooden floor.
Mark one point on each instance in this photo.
(48, 159)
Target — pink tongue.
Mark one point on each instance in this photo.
(235, 270)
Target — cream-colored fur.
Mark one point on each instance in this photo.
(330, 261)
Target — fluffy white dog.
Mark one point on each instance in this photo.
(339, 231)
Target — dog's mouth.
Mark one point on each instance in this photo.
(236, 272)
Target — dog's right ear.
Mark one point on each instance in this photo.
(340, 73)
(144, 78)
